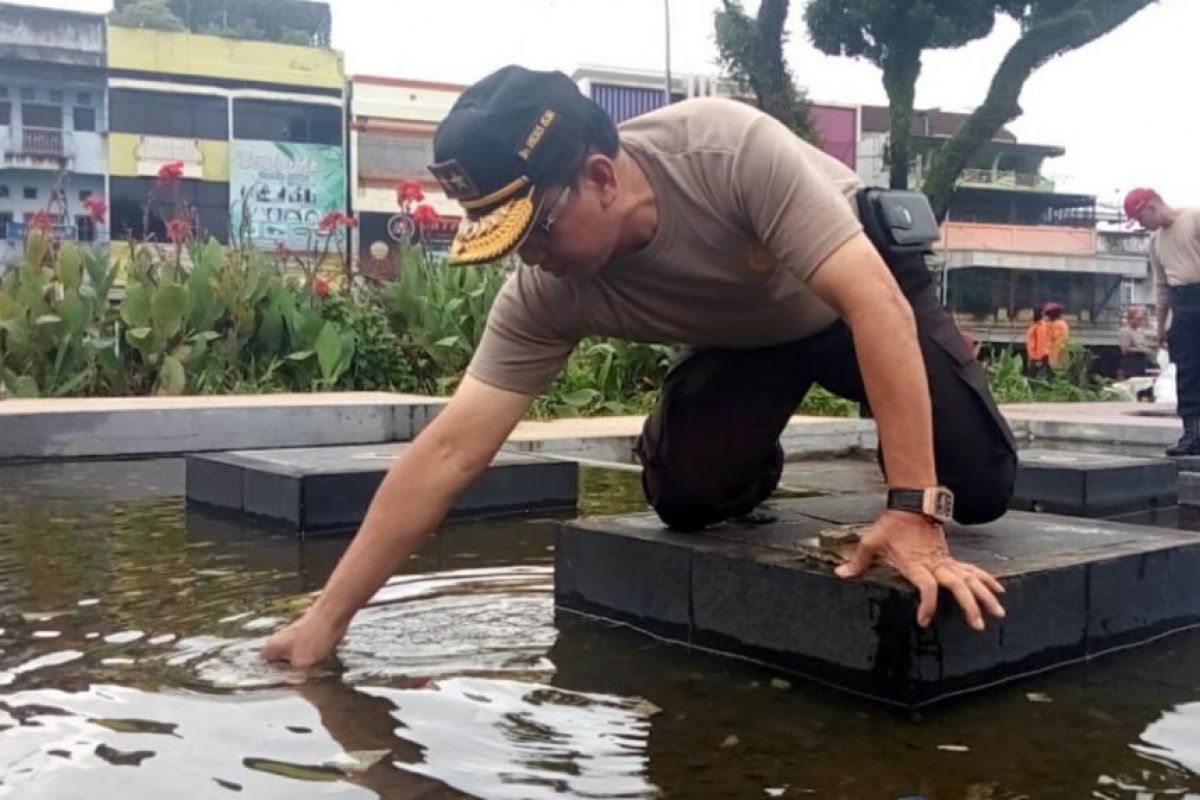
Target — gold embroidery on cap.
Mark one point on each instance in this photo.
(535, 136)
(490, 237)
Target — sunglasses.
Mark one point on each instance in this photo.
(545, 227)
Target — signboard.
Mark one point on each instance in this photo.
(280, 191)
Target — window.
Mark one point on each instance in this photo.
(38, 116)
(30, 193)
(274, 121)
(27, 94)
(394, 157)
(56, 97)
(84, 194)
(128, 197)
(85, 119)
(5, 113)
(85, 228)
(6, 219)
(3, 191)
(191, 116)
(84, 98)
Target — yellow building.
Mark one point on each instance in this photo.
(258, 129)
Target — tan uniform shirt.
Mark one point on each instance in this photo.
(1175, 254)
(746, 213)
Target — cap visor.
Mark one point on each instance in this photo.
(496, 233)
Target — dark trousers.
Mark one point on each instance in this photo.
(710, 450)
(1184, 342)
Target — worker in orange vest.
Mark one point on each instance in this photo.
(1035, 343)
(1058, 333)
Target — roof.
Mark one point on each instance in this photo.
(926, 122)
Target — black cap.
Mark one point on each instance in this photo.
(495, 149)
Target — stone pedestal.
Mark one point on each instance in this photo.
(1075, 589)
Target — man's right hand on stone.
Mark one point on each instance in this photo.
(917, 549)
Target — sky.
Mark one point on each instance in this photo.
(1124, 107)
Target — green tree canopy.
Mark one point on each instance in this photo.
(893, 34)
(751, 53)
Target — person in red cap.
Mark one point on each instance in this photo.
(1175, 261)
(706, 224)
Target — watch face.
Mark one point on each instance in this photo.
(943, 504)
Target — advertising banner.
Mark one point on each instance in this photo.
(279, 191)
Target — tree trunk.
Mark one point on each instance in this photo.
(900, 71)
(1042, 40)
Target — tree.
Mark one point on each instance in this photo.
(153, 14)
(1048, 29)
(893, 34)
(751, 53)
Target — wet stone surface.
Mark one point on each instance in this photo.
(328, 489)
(1074, 589)
(1085, 484)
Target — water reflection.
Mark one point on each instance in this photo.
(129, 637)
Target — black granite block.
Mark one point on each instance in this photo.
(1074, 589)
(1189, 489)
(328, 489)
(1092, 484)
(214, 481)
(642, 581)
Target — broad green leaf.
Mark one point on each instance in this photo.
(69, 268)
(11, 312)
(135, 308)
(300, 355)
(171, 377)
(22, 386)
(73, 311)
(37, 245)
(48, 319)
(206, 336)
(449, 341)
(167, 310)
(329, 350)
(579, 397)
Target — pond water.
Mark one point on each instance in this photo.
(130, 628)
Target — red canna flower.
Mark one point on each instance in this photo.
(321, 287)
(179, 229)
(41, 221)
(334, 220)
(329, 222)
(97, 209)
(425, 216)
(169, 174)
(409, 192)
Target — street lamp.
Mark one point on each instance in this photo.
(667, 19)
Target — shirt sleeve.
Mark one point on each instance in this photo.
(522, 348)
(793, 203)
(1161, 290)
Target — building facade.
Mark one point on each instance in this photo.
(626, 94)
(53, 122)
(391, 141)
(1012, 242)
(258, 127)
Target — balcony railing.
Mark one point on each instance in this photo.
(1119, 243)
(996, 179)
(1033, 239)
(42, 142)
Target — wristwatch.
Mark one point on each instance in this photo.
(936, 503)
